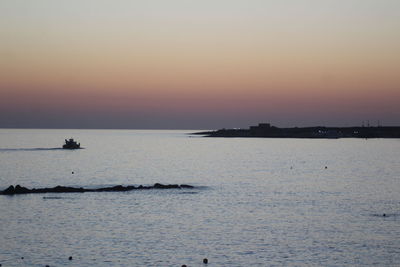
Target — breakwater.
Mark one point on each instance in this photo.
(14, 190)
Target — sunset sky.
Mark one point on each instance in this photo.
(205, 64)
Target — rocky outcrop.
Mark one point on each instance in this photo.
(11, 190)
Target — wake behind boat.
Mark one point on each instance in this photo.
(71, 144)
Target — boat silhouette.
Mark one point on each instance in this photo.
(71, 144)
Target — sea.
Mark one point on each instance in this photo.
(255, 201)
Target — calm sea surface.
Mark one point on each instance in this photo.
(257, 202)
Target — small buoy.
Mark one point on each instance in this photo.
(70, 258)
(72, 172)
(22, 258)
(326, 167)
(384, 215)
(184, 265)
(47, 266)
(205, 260)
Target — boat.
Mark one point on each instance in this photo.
(71, 144)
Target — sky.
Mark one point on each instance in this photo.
(209, 64)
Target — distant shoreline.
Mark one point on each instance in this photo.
(265, 130)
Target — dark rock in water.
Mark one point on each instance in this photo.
(168, 186)
(16, 190)
(172, 186)
(205, 261)
(11, 190)
(63, 189)
(19, 189)
(186, 186)
(117, 188)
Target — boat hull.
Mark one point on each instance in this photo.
(71, 146)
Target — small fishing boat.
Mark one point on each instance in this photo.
(71, 144)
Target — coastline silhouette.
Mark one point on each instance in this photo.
(268, 131)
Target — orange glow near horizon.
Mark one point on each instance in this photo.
(269, 61)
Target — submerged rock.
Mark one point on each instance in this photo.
(186, 186)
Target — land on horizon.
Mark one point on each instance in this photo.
(267, 131)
